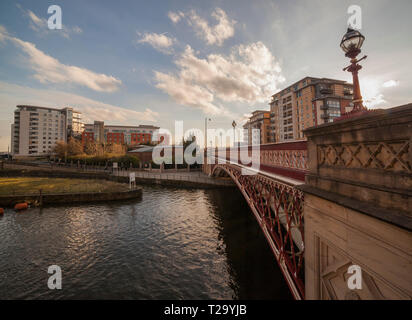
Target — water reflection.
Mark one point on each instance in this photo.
(173, 244)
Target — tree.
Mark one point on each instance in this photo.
(90, 148)
(74, 147)
(64, 150)
(60, 149)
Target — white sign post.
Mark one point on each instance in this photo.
(132, 180)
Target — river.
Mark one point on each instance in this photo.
(172, 244)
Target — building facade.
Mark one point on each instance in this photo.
(261, 120)
(307, 103)
(75, 126)
(130, 135)
(36, 130)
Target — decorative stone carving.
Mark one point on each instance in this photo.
(333, 278)
(388, 155)
(292, 159)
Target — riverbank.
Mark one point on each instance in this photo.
(34, 185)
(167, 178)
(49, 191)
(70, 198)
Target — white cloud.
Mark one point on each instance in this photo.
(186, 93)
(3, 34)
(216, 34)
(12, 95)
(390, 83)
(370, 90)
(40, 25)
(48, 69)
(249, 74)
(175, 16)
(160, 42)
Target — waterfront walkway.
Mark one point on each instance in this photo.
(182, 178)
(155, 176)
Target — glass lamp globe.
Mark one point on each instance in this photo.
(352, 42)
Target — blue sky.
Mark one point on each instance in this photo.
(154, 62)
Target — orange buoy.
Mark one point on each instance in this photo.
(21, 206)
(1, 211)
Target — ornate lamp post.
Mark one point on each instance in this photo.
(351, 44)
(234, 124)
(206, 120)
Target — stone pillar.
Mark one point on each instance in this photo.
(357, 206)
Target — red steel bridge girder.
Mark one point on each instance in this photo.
(278, 208)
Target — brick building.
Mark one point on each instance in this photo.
(307, 103)
(131, 135)
(261, 120)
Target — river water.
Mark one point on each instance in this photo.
(172, 244)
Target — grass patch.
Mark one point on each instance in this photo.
(32, 185)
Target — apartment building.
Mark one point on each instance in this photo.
(36, 130)
(263, 121)
(306, 103)
(131, 135)
(75, 126)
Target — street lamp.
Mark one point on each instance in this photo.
(351, 44)
(234, 124)
(206, 120)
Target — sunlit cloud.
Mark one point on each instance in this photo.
(372, 96)
(50, 70)
(175, 17)
(216, 34)
(390, 83)
(249, 74)
(160, 42)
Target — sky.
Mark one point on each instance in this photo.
(153, 62)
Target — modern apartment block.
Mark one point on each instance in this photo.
(306, 103)
(131, 135)
(36, 130)
(263, 121)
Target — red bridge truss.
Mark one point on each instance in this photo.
(276, 203)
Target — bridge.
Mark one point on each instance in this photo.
(341, 198)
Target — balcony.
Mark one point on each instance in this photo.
(326, 90)
(324, 107)
(324, 116)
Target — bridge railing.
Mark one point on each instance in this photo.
(289, 159)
